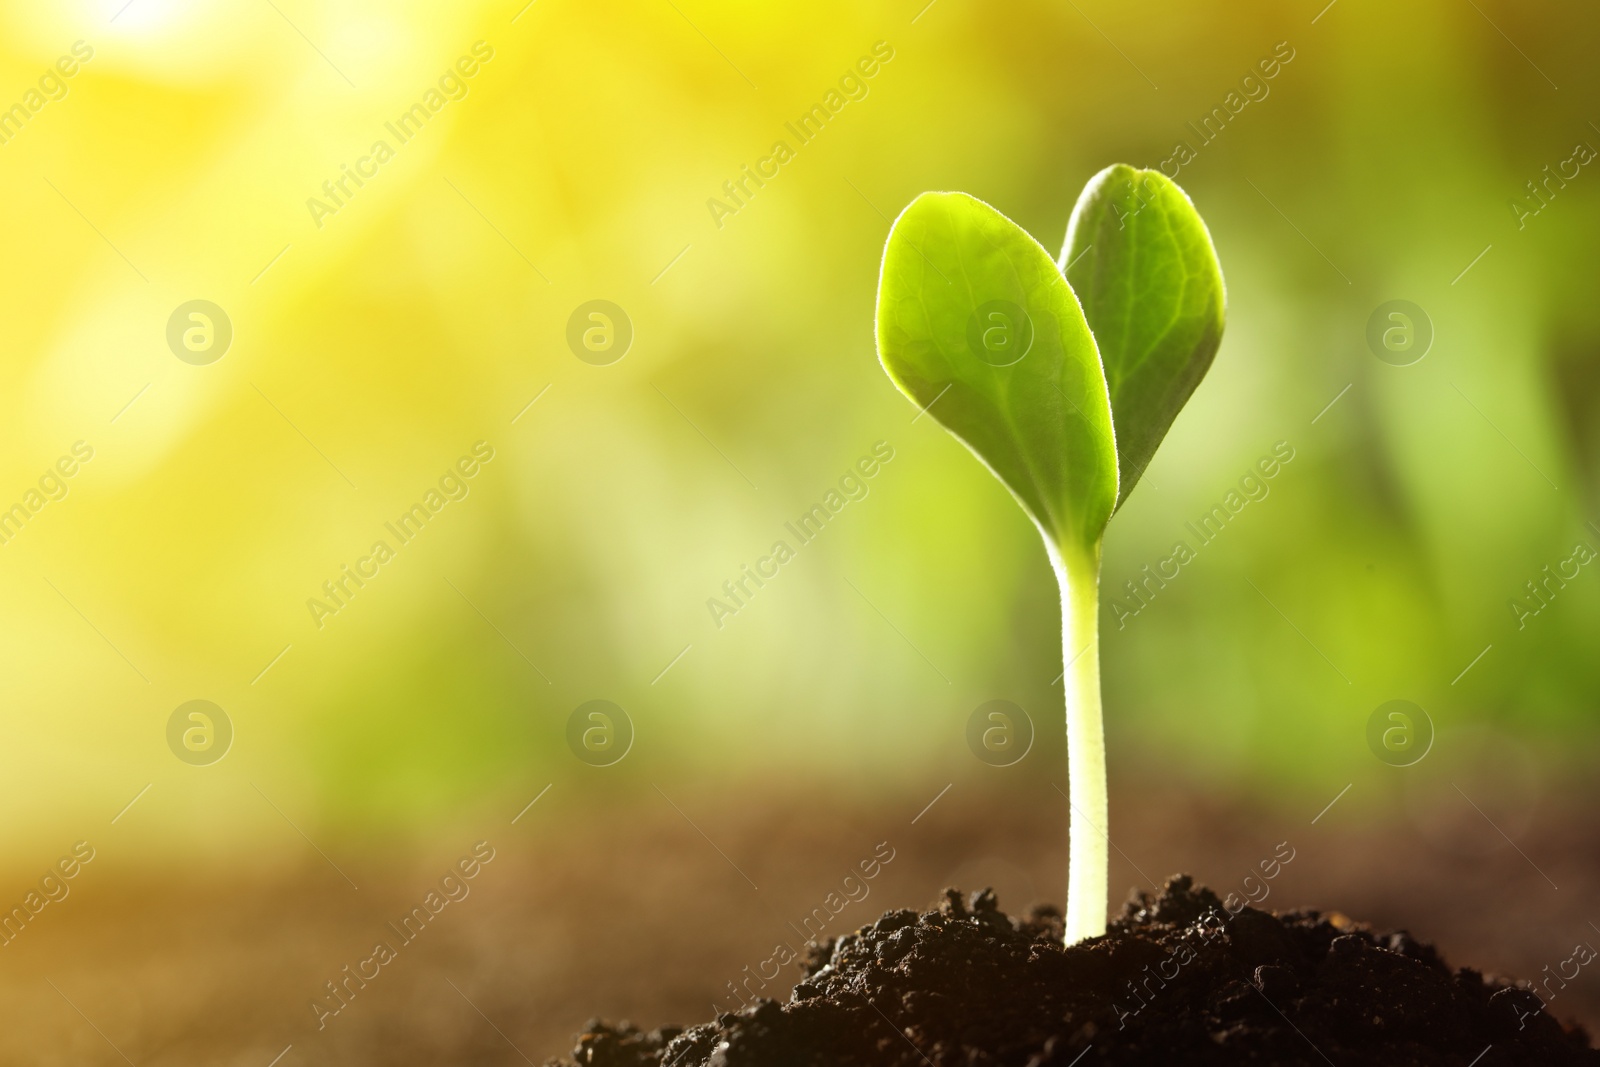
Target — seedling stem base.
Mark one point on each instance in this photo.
(1088, 874)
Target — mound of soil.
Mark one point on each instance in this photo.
(1177, 980)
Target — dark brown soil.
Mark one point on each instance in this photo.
(1177, 980)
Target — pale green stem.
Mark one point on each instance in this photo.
(1088, 873)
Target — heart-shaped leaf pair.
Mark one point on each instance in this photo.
(981, 328)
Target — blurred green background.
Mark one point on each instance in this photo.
(429, 311)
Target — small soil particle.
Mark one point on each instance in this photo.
(1176, 980)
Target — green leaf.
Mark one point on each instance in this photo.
(978, 327)
(1142, 263)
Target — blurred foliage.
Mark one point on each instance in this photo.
(427, 312)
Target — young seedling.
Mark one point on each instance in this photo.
(1062, 378)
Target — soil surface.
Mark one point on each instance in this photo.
(1180, 978)
(618, 904)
